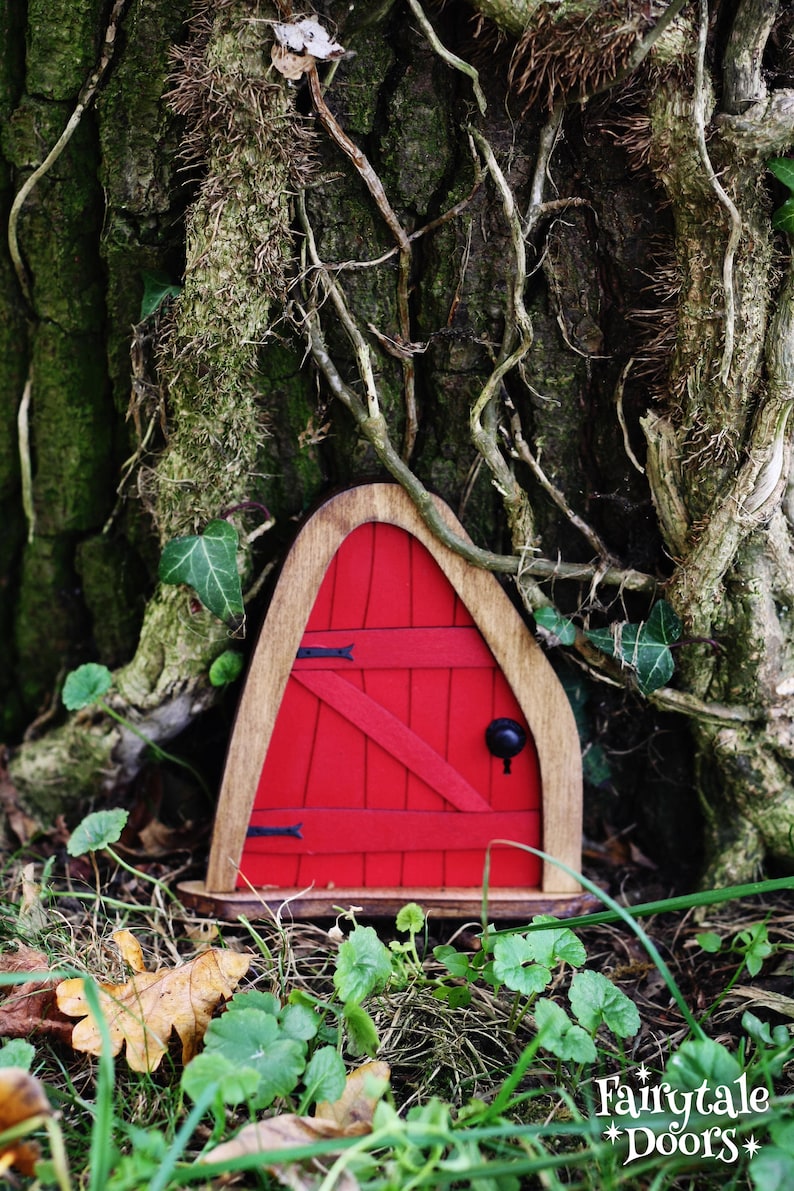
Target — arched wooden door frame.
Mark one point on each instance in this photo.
(537, 689)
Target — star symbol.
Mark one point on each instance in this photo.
(643, 1074)
(613, 1133)
(751, 1146)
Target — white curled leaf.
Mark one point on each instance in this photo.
(307, 36)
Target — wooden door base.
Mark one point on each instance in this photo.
(384, 902)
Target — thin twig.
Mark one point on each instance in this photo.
(699, 117)
(525, 455)
(451, 59)
(84, 99)
(376, 189)
(549, 135)
(25, 465)
(376, 432)
(618, 399)
(333, 290)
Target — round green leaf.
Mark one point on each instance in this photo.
(299, 1022)
(96, 831)
(699, 1059)
(562, 1037)
(411, 917)
(555, 945)
(17, 1053)
(236, 1085)
(363, 965)
(226, 668)
(85, 685)
(251, 1038)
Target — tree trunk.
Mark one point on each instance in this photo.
(552, 294)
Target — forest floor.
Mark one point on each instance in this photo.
(464, 1065)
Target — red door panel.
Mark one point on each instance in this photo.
(377, 772)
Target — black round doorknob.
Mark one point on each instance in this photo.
(505, 739)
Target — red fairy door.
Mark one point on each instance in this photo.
(377, 773)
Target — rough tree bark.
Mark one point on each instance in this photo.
(551, 293)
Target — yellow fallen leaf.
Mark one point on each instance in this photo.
(144, 1011)
(22, 1097)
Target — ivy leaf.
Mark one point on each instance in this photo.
(783, 169)
(325, 1077)
(226, 668)
(557, 626)
(514, 965)
(363, 965)
(783, 218)
(96, 831)
(157, 287)
(207, 562)
(561, 1036)
(644, 646)
(595, 999)
(85, 685)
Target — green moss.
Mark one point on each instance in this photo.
(72, 481)
(62, 45)
(418, 146)
(48, 621)
(112, 580)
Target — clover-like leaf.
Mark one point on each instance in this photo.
(363, 965)
(236, 1084)
(96, 831)
(556, 944)
(207, 562)
(85, 685)
(596, 1000)
(514, 965)
(251, 1038)
(558, 1034)
(410, 917)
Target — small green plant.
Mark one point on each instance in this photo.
(207, 562)
(88, 684)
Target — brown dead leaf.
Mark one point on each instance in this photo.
(349, 1116)
(354, 1109)
(22, 1097)
(30, 1008)
(143, 1012)
(292, 66)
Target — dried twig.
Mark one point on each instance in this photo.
(699, 116)
(376, 189)
(447, 56)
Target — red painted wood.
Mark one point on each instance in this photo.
(388, 747)
(346, 831)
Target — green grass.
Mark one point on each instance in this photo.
(481, 1095)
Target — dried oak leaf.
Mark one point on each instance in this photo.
(22, 1097)
(30, 1008)
(350, 1116)
(143, 1012)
